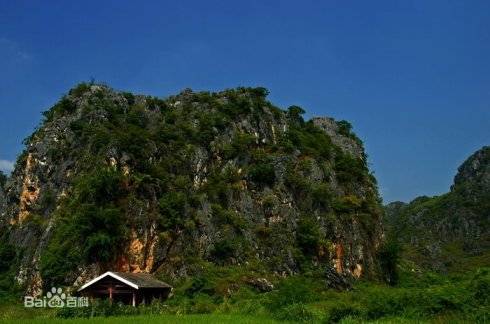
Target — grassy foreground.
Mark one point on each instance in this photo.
(202, 318)
(222, 296)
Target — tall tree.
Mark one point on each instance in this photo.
(3, 179)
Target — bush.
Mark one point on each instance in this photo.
(224, 250)
(296, 181)
(130, 98)
(200, 284)
(296, 313)
(347, 204)
(260, 92)
(80, 89)
(295, 114)
(227, 217)
(308, 235)
(7, 255)
(64, 106)
(339, 312)
(202, 304)
(263, 231)
(310, 140)
(293, 290)
(345, 128)
(382, 303)
(263, 173)
(480, 286)
(102, 186)
(173, 210)
(349, 169)
(388, 256)
(418, 302)
(239, 147)
(322, 195)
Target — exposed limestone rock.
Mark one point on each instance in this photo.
(30, 191)
(330, 126)
(261, 284)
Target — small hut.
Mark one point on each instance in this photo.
(128, 288)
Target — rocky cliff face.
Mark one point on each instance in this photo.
(111, 180)
(445, 232)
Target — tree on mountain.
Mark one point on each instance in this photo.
(389, 256)
(295, 114)
(3, 179)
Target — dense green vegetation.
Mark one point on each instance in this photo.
(226, 294)
(389, 256)
(9, 260)
(446, 232)
(90, 221)
(148, 319)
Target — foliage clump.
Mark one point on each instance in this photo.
(91, 226)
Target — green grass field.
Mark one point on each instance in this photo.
(214, 318)
(143, 319)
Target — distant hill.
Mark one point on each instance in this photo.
(112, 180)
(451, 231)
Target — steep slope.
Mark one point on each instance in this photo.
(452, 231)
(111, 180)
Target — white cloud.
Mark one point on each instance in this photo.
(11, 51)
(6, 166)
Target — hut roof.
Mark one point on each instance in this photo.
(135, 280)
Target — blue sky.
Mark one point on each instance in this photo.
(413, 77)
